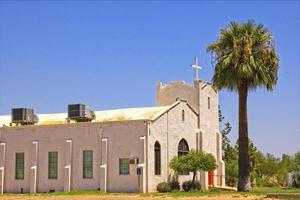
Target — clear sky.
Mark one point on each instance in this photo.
(111, 55)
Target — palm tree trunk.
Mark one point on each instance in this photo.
(244, 161)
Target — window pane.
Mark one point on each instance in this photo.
(124, 166)
(183, 149)
(19, 165)
(157, 159)
(52, 165)
(88, 164)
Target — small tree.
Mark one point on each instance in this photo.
(193, 162)
(297, 161)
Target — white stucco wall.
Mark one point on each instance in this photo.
(166, 94)
(197, 96)
(168, 130)
(123, 142)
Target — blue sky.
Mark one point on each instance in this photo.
(111, 55)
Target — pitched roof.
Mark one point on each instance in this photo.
(127, 114)
(116, 115)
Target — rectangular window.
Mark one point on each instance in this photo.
(88, 164)
(208, 102)
(19, 165)
(124, 166)
(52, 165)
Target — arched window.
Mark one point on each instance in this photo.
(183, 148)
(157, 158)
(182, 115)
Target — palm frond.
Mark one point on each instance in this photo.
(244, 52)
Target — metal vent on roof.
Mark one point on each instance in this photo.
(80, 113)
(23, 116)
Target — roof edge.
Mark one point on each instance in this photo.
(172, 106)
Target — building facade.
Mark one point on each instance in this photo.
(124, 150)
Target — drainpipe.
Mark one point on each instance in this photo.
(145, 164)
(105, 165)
(167, 144)
(2, 166)
(68, 166)
(33, 174)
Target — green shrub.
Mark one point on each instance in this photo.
(296, 180)
(174, 183)
(190, 186)
(197, 186)
(266, 182)
(163, 187)
(187, 186)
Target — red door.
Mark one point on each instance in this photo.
(210, 177)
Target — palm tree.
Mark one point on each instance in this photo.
(245, 59)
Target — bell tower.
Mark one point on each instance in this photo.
(203, 98)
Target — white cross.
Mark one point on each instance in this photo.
(196, 68)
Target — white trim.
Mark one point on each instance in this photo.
(2, 181)
(141, 165)
(201, 130)
(142, 137)
(106, 160)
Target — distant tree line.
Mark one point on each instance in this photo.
(266, 170)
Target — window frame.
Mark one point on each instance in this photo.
(120, 166)
(183, 149)
(182, 115)
(17, 167)
(157, 159)
(55, 165)
(208, 103)
(87, 165)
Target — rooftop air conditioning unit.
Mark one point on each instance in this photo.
(23, 116)
(80, 113)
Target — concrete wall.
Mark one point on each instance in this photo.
(166, 94)
(209, 119)
(69, 141)
(197, 96)
(168, 130)
(209, 124)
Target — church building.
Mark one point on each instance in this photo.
(122, 150)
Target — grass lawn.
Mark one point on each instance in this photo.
(255, 191)
(214, 194)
